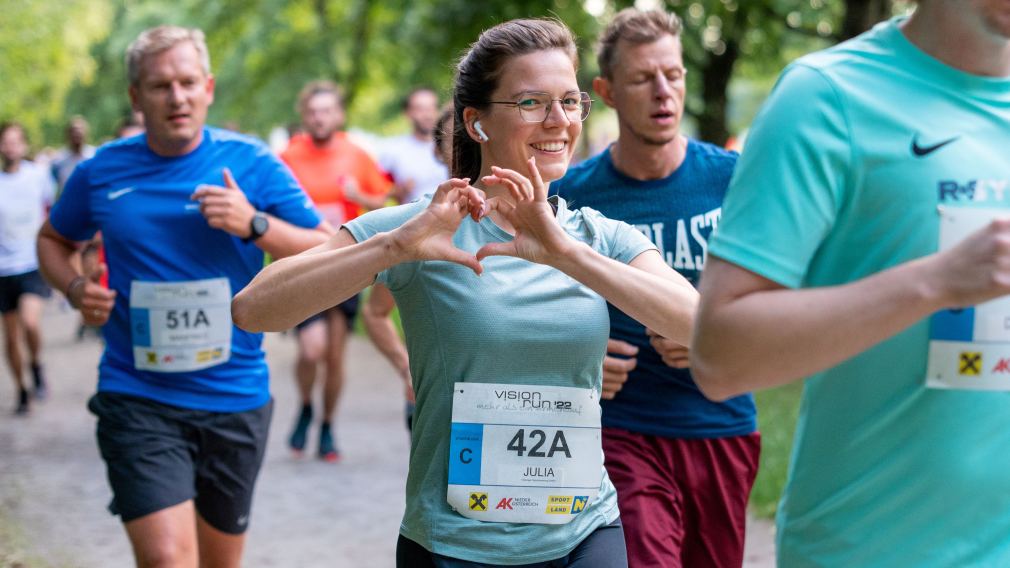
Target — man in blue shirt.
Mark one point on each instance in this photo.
(683, 465)
(865, 245)
(186, 212)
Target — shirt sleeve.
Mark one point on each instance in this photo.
(791, 180)
(280, 194)
(71, 214)
(48, 187)
(611, 238)
(382, 220)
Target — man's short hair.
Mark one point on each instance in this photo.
(9, 124)
(635, 26)
(159, 39)
(319, 88)
(77, 120)
(405, 103)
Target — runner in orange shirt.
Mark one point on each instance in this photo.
(344, 181)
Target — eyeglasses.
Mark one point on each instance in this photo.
(536, 107)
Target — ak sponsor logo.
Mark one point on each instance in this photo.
(1002, 367)
(478, 501)
(969, 363)
(513, 503)
(975, 190)
(152, 358)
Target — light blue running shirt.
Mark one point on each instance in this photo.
(841, 178)
(518, 323)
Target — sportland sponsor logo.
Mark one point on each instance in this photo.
(566, 504)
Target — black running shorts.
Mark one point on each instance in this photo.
(348, 307)
(158, 456)
(14, 286)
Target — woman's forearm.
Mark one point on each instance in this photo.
(294, 288)
(646, 289)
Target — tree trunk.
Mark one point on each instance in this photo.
(362, 35)
(861, 15)
(712, 125)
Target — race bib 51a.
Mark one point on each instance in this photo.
(180, 326)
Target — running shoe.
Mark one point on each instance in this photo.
(327, 447)
(22, 408)
(301, 431)
(41, 390)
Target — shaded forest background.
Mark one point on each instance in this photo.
(59, 58)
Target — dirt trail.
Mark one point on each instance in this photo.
(307, 513)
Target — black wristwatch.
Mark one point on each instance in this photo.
(257, 227)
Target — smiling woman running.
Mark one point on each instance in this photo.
(503, 300)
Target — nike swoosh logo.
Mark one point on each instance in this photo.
(120, 192)
(921, 151)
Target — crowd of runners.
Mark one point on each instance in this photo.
(580, 339)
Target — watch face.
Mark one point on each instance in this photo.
(259, 225)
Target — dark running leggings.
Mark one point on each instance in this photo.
(604, 548)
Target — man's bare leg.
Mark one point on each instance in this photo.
(12, 349)
(166, 538)
(311, 350)
(337, 334)
(218, 549)
(30, 312)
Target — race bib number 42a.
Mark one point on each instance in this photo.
(180, 326)
(524, 454)
(969, 348)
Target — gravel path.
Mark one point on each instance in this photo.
(307, 513)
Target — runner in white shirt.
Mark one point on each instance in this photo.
(26, 191)
(410, 159)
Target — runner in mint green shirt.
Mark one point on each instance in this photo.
(866, 158)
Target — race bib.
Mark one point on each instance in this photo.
(524, 454)
(180, 326)
(969, 348)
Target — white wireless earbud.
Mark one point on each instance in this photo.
(480, 131)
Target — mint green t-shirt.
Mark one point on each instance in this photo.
(841, 178)
(518, 323)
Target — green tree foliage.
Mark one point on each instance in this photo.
(66, 56)
(44, 51)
